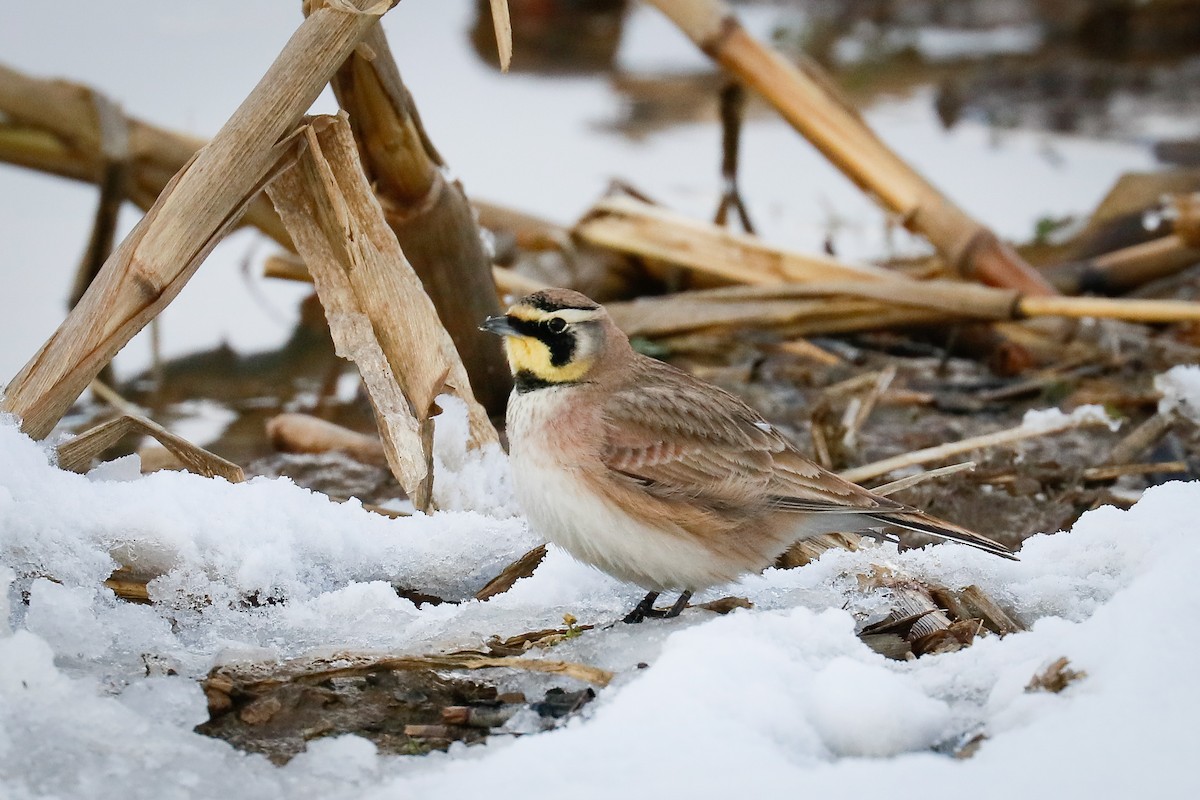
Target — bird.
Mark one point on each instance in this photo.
(655, 477)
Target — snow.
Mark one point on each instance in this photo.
(943, 44)
(1180, 389)
(1049, 420)
(99, 696)
(464, 479)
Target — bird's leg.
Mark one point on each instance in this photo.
(646, 608)
(679, 606)
(642, 609)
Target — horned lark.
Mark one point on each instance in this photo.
(653, 476)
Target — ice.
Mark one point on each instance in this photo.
(1180, 388)
(169, 698)
(65, 617)
(99, 696)
(7, 576)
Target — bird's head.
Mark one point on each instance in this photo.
(553, 337)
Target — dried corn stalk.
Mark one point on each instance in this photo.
(428, 212)
(1126, 268)
(378, 312)
(807, 100)
(984, 441)
(202, 202)
(503, 25)
(76, 455)
(304, 433)
(827, 306)
(59, 127)
(253, 678)
(648, 231)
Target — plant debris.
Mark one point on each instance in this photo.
(1056, 677)
(404, 711)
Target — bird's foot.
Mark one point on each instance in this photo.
(642, 610)
(645, 609)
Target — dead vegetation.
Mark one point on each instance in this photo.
(407, 705)
(881, 368)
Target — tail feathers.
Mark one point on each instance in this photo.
(922, 523)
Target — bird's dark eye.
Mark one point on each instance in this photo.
(557, 324)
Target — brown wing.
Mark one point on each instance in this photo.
(680, 439)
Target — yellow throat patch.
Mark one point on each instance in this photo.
(532, 355)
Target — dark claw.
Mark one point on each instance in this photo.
(645, 609)
(642, 610)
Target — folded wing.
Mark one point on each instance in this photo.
(717, 460)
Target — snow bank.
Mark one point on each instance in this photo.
(221, 548)
(779, 699)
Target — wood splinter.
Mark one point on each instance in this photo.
(379, 314)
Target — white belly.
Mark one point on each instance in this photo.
(561, 509)
(599, 534)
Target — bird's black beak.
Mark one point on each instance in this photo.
(500, 325)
